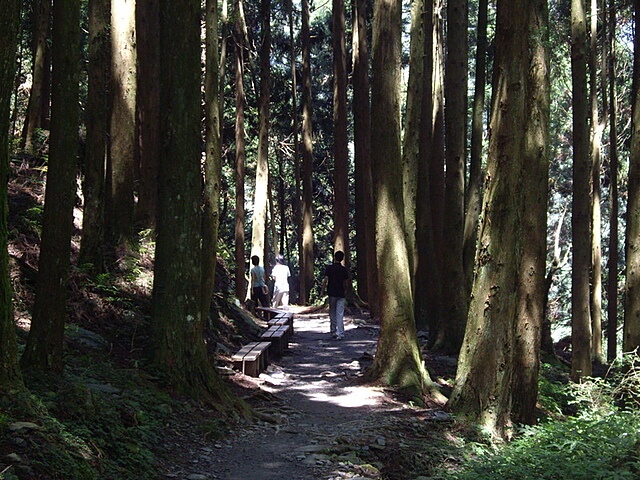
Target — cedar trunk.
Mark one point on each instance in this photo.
(10, 377)
(97, 123)
(631, 332)
(240, 32)
(581, 212)
(505, 313)
(258, 232)
(398, 360)
(44, 344)
(306, 264)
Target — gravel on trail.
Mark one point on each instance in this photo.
(317, 422)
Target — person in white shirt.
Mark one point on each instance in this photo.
(280, 275)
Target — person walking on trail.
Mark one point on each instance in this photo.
(280, 275)
(259, 289)
(336, 282)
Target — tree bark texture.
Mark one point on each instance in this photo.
(213, 161)
(427, 284)
(532, 262)
(631, 330)
(612, 266)
(258, 232)
(241, 261)
(43, 351)
(455, 91)
(148, 108)
(340, 132)
(178, 348)
(97, 123)
(40, 77)
(122, 166)
(306, 273)
(505, 313)
(365, 230)
(581, 212)
(398, 360)
(474, 188)
(10, 376)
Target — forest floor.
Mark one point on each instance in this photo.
(318, 420)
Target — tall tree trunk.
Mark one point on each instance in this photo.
(43, 351)
(398, 359)
(595, 146)
(581, 213)
(417, 145)
(612, 266)
(474, 189)
(39, 77)
(531, 274)
(213, 161)
(97, 124)
(365, 231)
(507, 301)
(340, 145)
(455, 89)
(631, 330)
(411, 140)
(306, 264)
(120, 195)
(258, 232)
(436, 159)
(240, 35)
(148, 106)
(178, 349)
(10, 376)
(297, 162)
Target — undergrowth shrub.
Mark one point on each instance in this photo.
(602, 441)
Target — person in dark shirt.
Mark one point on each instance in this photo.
(336, 282)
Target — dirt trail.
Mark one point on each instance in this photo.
(317, 421)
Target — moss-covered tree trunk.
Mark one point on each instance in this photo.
(307, 258)
(97, 125)
(631, 333)
(178, 349)
(10, 377)
(45, 342)
(213, 161)
(398, 359)
(503, 328)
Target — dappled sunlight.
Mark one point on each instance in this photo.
(350, 397)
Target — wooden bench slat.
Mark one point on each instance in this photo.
(252, 358)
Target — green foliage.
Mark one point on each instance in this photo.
(578, 448)
(601, 442)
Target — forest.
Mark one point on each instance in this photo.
(477, 161)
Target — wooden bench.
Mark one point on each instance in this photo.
(282, 320)
(252, 359)
(279, 338)
(268, 313)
